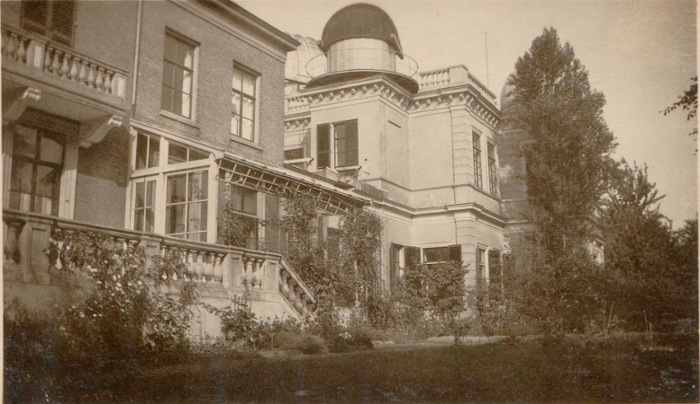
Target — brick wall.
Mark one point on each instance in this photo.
(102, 178)
(218, 50)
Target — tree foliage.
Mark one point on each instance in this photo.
(688, 101)
(567, 169)
(569, 160)
(649, 275)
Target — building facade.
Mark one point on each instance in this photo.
(423, 146)
(140, 121)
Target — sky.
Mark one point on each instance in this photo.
(640, 54)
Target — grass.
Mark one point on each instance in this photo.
(523, 371)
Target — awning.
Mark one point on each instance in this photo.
(280, 182)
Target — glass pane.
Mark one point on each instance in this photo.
(141, 151)
(247, 129)
(45, 205)
(150, 193)
(248, 108)
(439, 254)
(185, 55)
(236, 101)
(176, 154)
(140, 195)
(177, 102)
(185, 105)
(21, 176)
(138, 220)
(153, 152)
(197, 155)
(179, 78)
(235, 124)
(47, 179)
(51, 151)
(249, 85)
(236, 80)
(150, 220)
(166, 99)
(175, 219)
(250, 204)
(339, 131)
(197, 216)
(168, 74)
(25, 141)
(170, 48)
(341, 160)
(198, 186)
(187, 82)
(176, 188)
(197, 237)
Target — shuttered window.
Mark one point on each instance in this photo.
(55, 19)
(342, 150)
(323, 145)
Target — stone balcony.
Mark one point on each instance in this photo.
(70, 84)
(224, 274)
(453, 76)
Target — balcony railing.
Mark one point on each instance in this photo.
(221, 270)
(451, 76)
(60, 62)
(362, 59)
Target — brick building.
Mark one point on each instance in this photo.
(140, 120)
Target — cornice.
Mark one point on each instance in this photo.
(383, 87)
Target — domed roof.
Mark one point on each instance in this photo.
(295, 66)
(360, 20)
(507, 95)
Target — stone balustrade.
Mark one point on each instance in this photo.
(441, 78)
(205, 262)
(61, 62)
(294, 291)
(33, 242)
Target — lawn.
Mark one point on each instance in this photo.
(501, 372)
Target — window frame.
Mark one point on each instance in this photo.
(333, 147)
(476, 148)
(180, 39)
(492, 167)
(187, 203)
(35, 162)
(160, 175)
(245, 71)
(49, 27)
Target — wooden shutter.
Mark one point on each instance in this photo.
(62, 21)
(352, 143)
(411, 255)
(35, 16)
(455, 253)
(394, 268)
(323, 145)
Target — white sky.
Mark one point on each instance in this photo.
(640, 54)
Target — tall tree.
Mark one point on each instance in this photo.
(567, 167)
(570, 157)
(688, 101)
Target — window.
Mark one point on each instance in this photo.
(243, 99)
(147, 151)
(435, 255)
(37, 164)
(480, 267)
(294, 154)
(240, 204)
(343, 148)
(493, 174)
(476, 140)
(169, 188)
(186, 205)
(178, 76)
(54, 19)
(181, 154)
(144, 206)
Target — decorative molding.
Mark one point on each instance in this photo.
(92, 132)
(18, 101)
(297, 124)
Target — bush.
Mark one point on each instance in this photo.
(311, 344)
